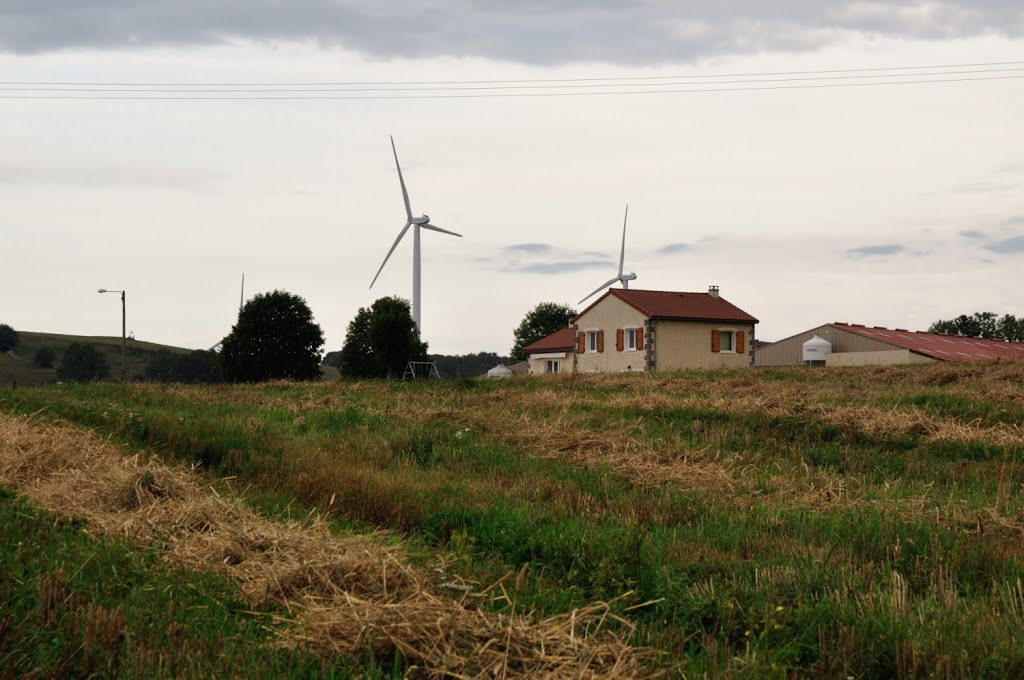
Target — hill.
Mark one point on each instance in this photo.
(20, 368)
(859, 522)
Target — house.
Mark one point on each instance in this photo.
(551, 354)
(858, 345)
(649, 330)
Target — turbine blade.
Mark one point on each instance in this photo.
(393, 246)
(622, 255)
(599, 289)
(405, 194)
(433, 227)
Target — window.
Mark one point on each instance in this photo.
(630, 339)
(553, 366)
(727, 342)
(591, 341)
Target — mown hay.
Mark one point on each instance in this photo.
(350, 594)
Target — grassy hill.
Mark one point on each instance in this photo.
(20, 368)
(863, 522)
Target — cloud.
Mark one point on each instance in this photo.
(535, 31)
(876, 251)
(560, 267)
(97, 176)
(972, 234)
(528, 248)
(1006, 246)
(673, 248)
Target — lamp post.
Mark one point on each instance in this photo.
(124, 343)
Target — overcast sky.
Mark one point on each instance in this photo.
(816, 194)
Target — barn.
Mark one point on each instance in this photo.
(851, 344)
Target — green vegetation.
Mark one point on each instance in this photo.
(860, 522)
(21, 367)
(381, 340)
(275, 338)
(541, 321)
(74, 606)
(83, 363)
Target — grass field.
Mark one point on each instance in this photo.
(20, 368)
(836, 523)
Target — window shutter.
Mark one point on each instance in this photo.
(600, 341)
(716, 341)
(740, 345)
(640, 339)
(620, 342)
(581, 342)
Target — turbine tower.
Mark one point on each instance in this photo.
(421, 222)
(624, 278)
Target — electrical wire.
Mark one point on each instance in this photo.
(517, 81)
(502, 95)
(572, 86)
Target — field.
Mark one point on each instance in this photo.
(861, 523)
(19, 368)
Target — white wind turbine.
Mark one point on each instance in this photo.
(624, 278)
(423, 221)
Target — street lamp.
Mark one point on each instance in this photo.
(123, 340)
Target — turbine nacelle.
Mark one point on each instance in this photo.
(422, 219)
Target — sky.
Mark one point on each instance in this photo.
(818, 160)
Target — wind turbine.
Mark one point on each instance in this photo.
(421, 222)
(624, 278)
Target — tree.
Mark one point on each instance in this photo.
(982, 325)
(198, 366)
(82, 363)
(44, 357)
(541, 321)
(381, 340)
(8, 338)
(275, 338)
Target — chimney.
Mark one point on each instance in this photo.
(713, 291)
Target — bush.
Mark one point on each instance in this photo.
(44, 357)
(83, 363)
(8, 338)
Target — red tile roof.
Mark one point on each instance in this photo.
(939, 346)
(661, 304)
(564, 339)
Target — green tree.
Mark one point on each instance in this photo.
(82, 363)
(541, 321)
(381, 340)
(44, 357)
(8, 338)
(982, 325)
(275, 338)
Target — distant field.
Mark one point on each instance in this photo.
(21, 369)
(863, 522)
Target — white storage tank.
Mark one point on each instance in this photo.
(500, 371)
(815, 349)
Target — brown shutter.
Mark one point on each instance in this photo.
(600, 341)
(581, 342)
(620, 342)
(740, 346)
(640, 339)
(716, 341)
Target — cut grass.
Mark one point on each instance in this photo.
(801, 522)
(73, 605)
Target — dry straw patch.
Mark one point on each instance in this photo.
(349, 594)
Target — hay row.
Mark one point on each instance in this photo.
(349, 594)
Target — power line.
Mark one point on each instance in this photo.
(515, 81)
(506, 95)
(247, 89)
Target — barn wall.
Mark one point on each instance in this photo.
(789, 352)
